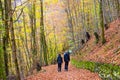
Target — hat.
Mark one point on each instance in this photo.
(70, 51)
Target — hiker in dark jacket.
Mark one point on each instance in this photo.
(66, 60)
(59, 61)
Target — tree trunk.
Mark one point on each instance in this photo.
(6, 36)
(70, 22)
(34, 30)
(118, 7)
(95, 17)
(42, 35)
(102, 22)
(13, 41)
(3, 65)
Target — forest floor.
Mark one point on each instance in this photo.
(50, 73)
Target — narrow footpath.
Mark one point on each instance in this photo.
(51, 73)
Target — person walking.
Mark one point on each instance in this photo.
(59, 61)
(66, 60)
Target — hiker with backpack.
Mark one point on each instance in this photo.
(59, 61)
(66, 59)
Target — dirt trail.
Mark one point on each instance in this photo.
(51, 73)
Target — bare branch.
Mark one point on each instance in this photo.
(19, 16)
(25, 3)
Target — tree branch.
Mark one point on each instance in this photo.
(19, 16)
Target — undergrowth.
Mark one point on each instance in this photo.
(105, 71)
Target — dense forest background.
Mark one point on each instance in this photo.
(33, 32)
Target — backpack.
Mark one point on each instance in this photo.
(59, 59)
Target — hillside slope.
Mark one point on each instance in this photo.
(107, 53)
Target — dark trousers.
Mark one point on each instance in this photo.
(59, 66)
(66, 65)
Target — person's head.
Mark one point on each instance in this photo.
(59, 54)
(69, 51)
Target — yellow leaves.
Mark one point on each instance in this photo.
(48, 2)
(28, 30)
(54, 1)
(51, 36)
(26, 10)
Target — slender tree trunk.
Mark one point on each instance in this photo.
(42, 34)
(118, 7)
(6, 36)
(34, 29)
(109, 11)
(26, 42)
(83, 21)
(95, 17)
(3, 65)
(102, 22)
(70, 22)
(13, 41)
(32, 16)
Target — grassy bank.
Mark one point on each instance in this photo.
(105, 71)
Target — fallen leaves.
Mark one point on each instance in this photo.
(51, 73)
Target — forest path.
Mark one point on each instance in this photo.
(51, 73)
